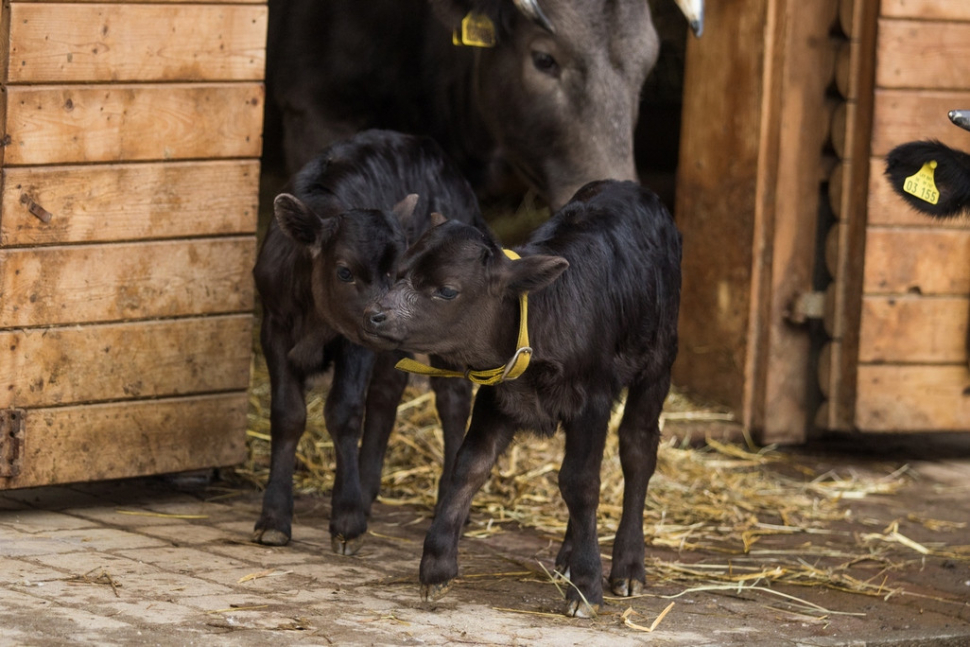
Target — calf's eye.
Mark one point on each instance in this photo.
(345, 275)
(545, 63)
(446, 293)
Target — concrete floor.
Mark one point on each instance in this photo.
(149, 561)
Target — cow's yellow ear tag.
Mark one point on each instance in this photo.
(922, 185)
(477, 30)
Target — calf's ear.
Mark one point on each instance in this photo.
(301, 223)
(532, 273)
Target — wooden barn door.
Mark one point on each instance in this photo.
(131, 134)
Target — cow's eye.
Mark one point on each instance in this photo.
(446, 293)
(345, 275)
(545, 63)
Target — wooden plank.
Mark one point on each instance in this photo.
(90, 283)
(917, 261)
(795, 130)
(917, 330)
(147, 359)
(886, 208)
(70, 43)
(902, 116)
(715, 198)
(926, 9)
(847, 296)
(95, 203)
(921, 54)
(913, 398)
(262, 2)
(70, 124)
(108, 441)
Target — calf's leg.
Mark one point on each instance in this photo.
(579, 484)
(453, 401)
(343, 412)
(488, 436)
(383, 395)
(639, 437)
(287, 421)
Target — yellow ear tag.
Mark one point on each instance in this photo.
(922, 185)
(477, 30)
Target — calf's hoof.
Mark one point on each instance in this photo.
(626, 587)
(581, 609)
(270, 537)
(347, 547)
(433, 592)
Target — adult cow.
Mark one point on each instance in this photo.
(554, 97)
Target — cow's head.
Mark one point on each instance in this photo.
(559, 92)
(458, 297)
(354, 253)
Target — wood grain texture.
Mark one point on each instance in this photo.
(128, 361)
(716, 198)
(897, 399)
(912, 329)
(90, 283)
(921, 54)
(71, 43)
(100, 203)
(927, 262)
(926, 9)
(902, 116)
(255, 2)
(108, 441)
(111, 123)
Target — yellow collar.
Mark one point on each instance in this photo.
(508, 371)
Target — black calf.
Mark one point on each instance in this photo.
(606, 323)
(331, 251)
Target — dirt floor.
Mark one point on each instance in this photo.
(157, 561)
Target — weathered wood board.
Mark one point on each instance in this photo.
(44, 367)
(102, 441)
(108, 123)
(910, 54)
(115, 202)
(897, 399)
(89, 283)
(914, 329)
(63, 43)
(130, 177)
(920, 261)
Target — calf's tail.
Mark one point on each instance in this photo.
(932, 177)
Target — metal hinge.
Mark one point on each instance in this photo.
(11, 442)
(805, 306)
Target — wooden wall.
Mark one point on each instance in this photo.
(130, 169)
(913, 364)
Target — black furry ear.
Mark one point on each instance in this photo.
(951, 177)
(301, 223)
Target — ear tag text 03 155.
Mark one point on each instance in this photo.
(922, 185)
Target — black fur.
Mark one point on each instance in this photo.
(608, 322)
(952, 176)
(342, 220)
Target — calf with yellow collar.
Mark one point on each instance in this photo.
(603, 285)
